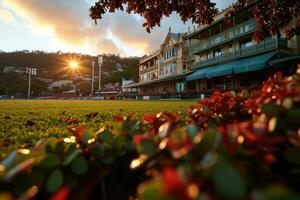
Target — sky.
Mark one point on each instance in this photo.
(64, 25)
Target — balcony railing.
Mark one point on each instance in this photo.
(149, 56)
(148, 69)
(237, 31)
(251, 50)
(199, 47)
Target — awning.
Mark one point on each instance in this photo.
(213, 71)
(168, 78)
(253, 63)
(236, 67)
(285, 60)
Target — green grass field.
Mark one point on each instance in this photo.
(17, 132)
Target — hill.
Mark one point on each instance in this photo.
(55, 65)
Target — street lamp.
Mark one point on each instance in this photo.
(100, 63)
(30, 72)
(93, 72)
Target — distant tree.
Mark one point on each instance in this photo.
(54, 65)
(13, 83)
(271, 15)
(39, 87)
(84, 87)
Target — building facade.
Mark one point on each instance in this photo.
(225, 56)
(163, 71)
(220, 56)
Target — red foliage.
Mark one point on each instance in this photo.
(174, 184)
(61, 194)
(271, 15)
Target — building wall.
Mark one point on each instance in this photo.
(294, 42)
(199, 40)
(177, 60)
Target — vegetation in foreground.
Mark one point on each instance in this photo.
(24, 122)
(231, 146)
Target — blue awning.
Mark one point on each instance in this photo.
(236, 67)
(253, 63)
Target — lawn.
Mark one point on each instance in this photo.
(24, 122)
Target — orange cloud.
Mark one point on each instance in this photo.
(69, 23)
(7, 16)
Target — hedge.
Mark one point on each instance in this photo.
(231, 146)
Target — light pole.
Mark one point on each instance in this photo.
(93, 72)
(100, 63)
(30, 72)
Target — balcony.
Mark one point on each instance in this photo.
(227, 35)
(149, 69)
(252, 50)
(199, 47)
(150, 56)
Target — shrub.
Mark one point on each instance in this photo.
(231, 146)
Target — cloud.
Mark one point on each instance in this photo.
(69, 22)
(7, 16)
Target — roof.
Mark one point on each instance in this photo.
(169, 78)
(175, 36)
(149, 56)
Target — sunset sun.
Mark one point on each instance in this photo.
(73, 64)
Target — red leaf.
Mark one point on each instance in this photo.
(138, 138)
(173, 181)
(61, 194)
(150, 119)
(118, 119)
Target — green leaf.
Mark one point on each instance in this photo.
(270, 109)
(98, 150)
(28, 180)
(54, 181)
(106, 136)
(152, 191)
(192, 130)
(10, 160)
(50, 161)
(86, 136)
(293, 115)
(50, 148)
(293, 155)
(70, 157)
(80, 165)
(210, 141)
(147, 147)
(278, 193)
(109, 159)
(59, 148)
(228, 181)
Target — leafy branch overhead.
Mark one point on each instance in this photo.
(199, 11)
(271, 15)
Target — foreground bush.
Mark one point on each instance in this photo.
(231, 146)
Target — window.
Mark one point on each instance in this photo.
(218, 39)
(230, 48)
(217, 53)
(174, 68)
(174, 52)
(246, 44)
(180, 87)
